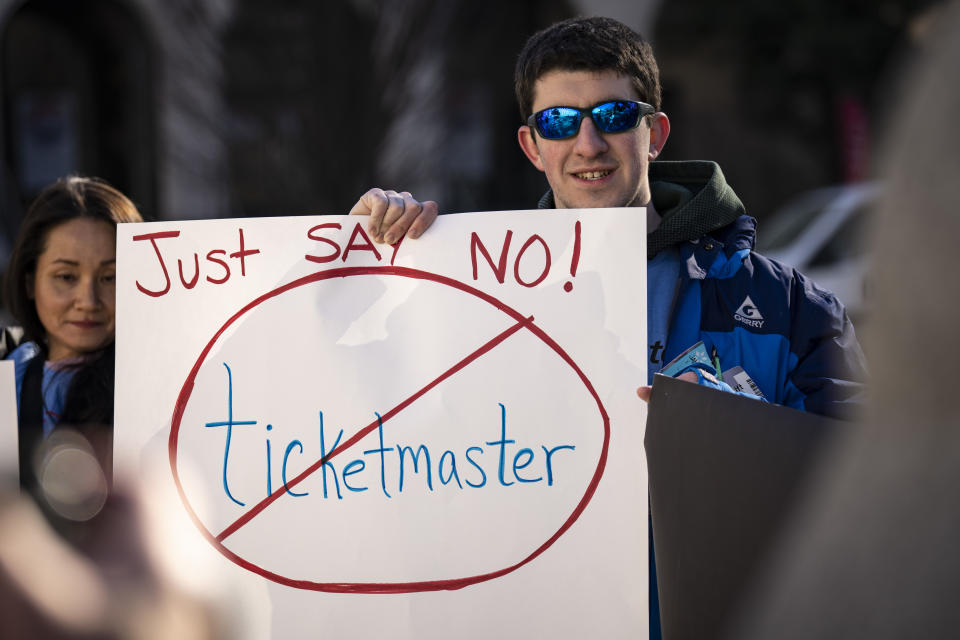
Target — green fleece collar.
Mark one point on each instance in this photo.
(692, 198)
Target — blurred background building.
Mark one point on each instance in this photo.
(229, 108)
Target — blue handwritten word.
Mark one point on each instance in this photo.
(229, 424)
(397, 463)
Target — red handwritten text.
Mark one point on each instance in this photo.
(500, 268)
(216, 259)
(359, 241)
(533, 252)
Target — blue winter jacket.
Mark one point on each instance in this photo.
(791, 337)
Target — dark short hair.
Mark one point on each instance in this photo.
(587, 44)
(66, 199)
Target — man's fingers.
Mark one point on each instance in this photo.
(387, 207)
(402, 210)
(362, 208)
(395, 228)
(428, 213)
(394, 214)
(396, 206)
(374, 204)
(644, 392)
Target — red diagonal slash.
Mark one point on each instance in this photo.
(263, 504)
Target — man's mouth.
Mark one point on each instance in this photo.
(593, 175)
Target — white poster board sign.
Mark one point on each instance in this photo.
(435, 439)
(9, 441)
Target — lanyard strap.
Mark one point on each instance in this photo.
(30, 420)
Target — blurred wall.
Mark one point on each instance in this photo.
(212, 108)
(786, 96)
(126, 89)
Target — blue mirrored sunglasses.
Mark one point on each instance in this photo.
(557, 123)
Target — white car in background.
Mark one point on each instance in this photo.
(823, 233)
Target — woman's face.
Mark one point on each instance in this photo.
(74, 287)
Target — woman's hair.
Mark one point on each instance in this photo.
(66, 199)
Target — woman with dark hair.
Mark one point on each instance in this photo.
(59, 286)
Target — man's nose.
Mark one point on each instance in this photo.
(589, 141)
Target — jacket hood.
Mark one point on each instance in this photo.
(693, 200)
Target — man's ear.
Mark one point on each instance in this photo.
(659, 132)
(525, 137)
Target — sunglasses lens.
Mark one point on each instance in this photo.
(614, 117)
(558, 122)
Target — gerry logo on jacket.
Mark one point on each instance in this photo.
(748, 314)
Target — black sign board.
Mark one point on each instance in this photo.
(724, 474)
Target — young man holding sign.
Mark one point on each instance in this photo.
(589, 95)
